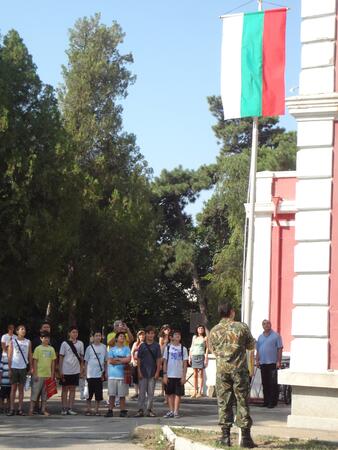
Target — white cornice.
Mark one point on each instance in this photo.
(268, 208)
(324, 106)
(281, 174)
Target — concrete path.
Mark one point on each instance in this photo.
(98, 433)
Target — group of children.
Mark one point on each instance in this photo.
(116, 363)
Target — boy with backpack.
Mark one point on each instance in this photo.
(44, 357)
(149, 361)
(95, 371)
(175, 358)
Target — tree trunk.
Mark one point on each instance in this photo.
(194, 272)
(48, 311)
(200, 295)
(72, 314)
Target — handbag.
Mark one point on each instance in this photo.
(51, 388)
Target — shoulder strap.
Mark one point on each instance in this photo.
(23, 356)
(152, 354)
(98, 359)
(73, 348)
(182, 351)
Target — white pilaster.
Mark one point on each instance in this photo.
(315, 110)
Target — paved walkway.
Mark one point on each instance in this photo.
(99, 433)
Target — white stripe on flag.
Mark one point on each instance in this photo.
(231, 66)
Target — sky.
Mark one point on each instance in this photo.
(176, 46)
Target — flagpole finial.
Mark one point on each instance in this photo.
(260, 5)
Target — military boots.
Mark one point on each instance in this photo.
(225, 438)
(246, 439)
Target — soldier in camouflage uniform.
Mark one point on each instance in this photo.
(229, 341)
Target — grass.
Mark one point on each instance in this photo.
(152, 439)
(265, 442)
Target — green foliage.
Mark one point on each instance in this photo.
(36, 191)
(114, 254)
(180, 243)
(79, 230)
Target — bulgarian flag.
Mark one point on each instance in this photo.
(253, 64)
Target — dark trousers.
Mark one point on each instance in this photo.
(269, 382)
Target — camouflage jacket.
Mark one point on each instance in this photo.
(229, 341)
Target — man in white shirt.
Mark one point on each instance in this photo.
(95, 370)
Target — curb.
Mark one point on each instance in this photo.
(180, 443)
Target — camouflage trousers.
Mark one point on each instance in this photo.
(233, 389)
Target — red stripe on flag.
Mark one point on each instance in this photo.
(274, 62)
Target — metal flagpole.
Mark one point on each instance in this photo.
(247, 297)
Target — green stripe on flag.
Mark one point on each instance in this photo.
(252, 65)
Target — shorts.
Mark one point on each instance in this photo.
(95, 386)
(197, 361)
(19, 376)
(174, 387)
(70, 380)
(117, 388)
(39, 387)
(5, 392)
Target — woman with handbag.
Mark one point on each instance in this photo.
(134, 350)
(198, 358)
(20, 361)
(71, 368)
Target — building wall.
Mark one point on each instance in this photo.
(273, 253)
(333, 304)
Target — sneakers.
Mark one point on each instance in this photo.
(198, 395)
(70, 412)
(63, 412)
(139, 413)
(176, 415)
(123, 413)
(169, 415)
(109, 413)
(11, 413)
(150, 413)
